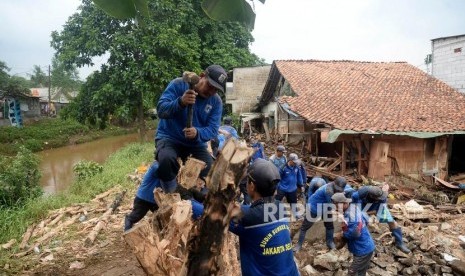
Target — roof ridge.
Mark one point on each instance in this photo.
(334, 60)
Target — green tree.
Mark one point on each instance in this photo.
(38, 77)
(177, 36)
(12, 85)
(65, 77)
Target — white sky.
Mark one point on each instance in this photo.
(367, 30)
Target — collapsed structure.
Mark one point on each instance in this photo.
(370, 119)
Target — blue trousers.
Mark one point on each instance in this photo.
(168, 151)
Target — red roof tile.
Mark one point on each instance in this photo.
(376, 96)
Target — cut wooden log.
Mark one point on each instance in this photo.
(206, 243)
(103, 220)
(27, 235)
(9, 244)
(141, 239)
(189, 172)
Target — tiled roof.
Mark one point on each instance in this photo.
(377, 96)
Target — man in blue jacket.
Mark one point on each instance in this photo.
(314, 185)
(264, 236)
(145, 199)
(291, 181)
(173, 138)
(318, 207)
(355, 231)
(373, 200)
(279, 159)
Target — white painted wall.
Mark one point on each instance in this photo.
(449, 62)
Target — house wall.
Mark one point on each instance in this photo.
(413, 156)
(448, 62)
(248, 84)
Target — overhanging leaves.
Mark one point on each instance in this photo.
(230, 10)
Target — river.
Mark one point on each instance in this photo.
(57, 164)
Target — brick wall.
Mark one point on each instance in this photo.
(449, 61)
(248, 84)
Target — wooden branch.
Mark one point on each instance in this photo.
(27, 235)
(103, 220)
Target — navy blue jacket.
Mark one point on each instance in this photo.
(265, 246)
(323, 195)
(314, 185)
(356, 232)
(290, 179)
(150, 182)
(173, 117)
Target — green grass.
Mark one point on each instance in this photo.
(14, 222)
(51, 133)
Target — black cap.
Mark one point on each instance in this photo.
(377, 193)
(227, 120)
(217, 76)
(263, 172)
(339, 184)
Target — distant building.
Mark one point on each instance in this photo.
(448, 60)
(247, 86)
(58, 99)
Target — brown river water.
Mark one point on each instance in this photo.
(57, 164)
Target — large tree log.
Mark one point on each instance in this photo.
(175, 246)
(206, 243)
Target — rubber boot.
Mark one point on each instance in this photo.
(397, 234)
(330, 239)
(298, 246)
(127, 224)
(169, 186)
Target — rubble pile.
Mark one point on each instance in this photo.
(435, 249)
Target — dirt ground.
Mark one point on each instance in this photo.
(67, 254)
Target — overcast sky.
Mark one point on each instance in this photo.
(365, 30)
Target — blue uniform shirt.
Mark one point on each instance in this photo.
(265, 246)
(150, 182)
(358, 237)
(290, 179)
(315, 184)
(380, 206)
(231, 130)
(173, 117)
(323, 195)
(259, 153)
(279, 162)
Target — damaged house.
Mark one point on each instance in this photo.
(367, 118)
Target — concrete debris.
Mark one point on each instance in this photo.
(435, 250)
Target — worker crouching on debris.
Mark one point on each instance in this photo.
(373, 200)
(264, 236)
(319, 206)
(355, 231)
(316, 183)
(145, 200)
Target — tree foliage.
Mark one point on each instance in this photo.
(19, 178)
(177, 36)
(12, 86)
(38, 77)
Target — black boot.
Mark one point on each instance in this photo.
(127, 224)
(397, 233)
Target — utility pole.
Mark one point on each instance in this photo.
(49, 88)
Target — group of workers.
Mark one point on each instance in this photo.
(265, 246)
